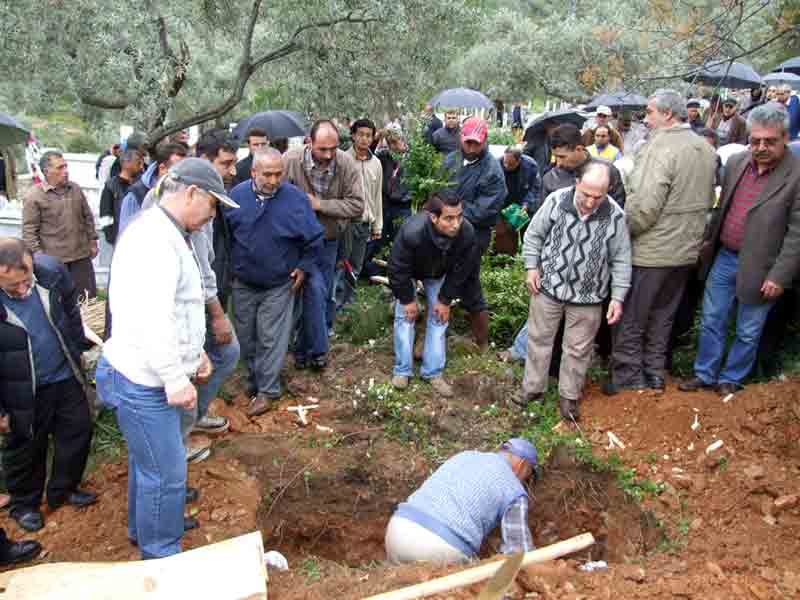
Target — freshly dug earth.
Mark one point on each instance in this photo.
(725, 526)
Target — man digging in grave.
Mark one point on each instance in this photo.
(447, 519)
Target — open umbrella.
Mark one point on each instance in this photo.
(537, 125)
(726, 74)
(461, 98)
(792, 66)
(277, 124)
(11, 132)
(621, 100)
(783, 77)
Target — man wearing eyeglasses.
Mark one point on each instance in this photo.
(752, 253)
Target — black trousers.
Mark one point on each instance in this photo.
(62, 411)
(82, 272)
(641, 338)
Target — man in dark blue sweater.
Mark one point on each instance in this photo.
(275, 242)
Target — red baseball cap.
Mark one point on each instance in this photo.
(474, 129)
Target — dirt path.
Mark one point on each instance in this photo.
(724, 525)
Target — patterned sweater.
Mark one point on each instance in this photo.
(577, 258)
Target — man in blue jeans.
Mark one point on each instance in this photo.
(752, 250)
(155, 356)
(438, 247)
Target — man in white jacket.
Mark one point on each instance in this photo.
(155, 355)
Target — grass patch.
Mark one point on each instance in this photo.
(367, 319)
(108, 443)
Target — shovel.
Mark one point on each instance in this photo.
(497, 586)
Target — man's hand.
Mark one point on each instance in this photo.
(534, 281)
(299, 277)
(412, 311)
(441, 312)
(5, 423)
(315, 203)
(222, 330)
(376, 235)
(183, 398)
(94, 248)
(614, 313)
(771, 290)
(204, 371)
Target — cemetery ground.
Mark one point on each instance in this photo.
(672, 518)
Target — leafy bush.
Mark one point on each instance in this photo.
(422, 168)
(501, 137)
(503, 282)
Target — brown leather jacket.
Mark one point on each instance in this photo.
(59, 224)
(345, 198)
(771, 246)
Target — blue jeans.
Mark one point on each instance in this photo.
(156, 461)
(519, 349)
(718, 300)
(224, 359)
(312, 335)
(433, 354)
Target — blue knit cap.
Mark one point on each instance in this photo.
(521, 449)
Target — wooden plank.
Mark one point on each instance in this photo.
(229, 570)
(483, 572)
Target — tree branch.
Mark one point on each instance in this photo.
(118, 103)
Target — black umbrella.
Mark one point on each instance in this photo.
(621, 100)
(461, 98)
(277, 124)
(537, 125)
(792, 66)
(728, 75)
(11, 131)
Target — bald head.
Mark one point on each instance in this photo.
(591, 189)
(267, 170)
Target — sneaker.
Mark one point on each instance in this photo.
(197, 452)
(400, 382)
(259, 404)
(319, 362)
(212, 424)
(441, 387)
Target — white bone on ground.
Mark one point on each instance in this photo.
(302, 408)
(715, 446)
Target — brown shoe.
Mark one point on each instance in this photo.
(725, 389)
(441, 387)
(695, 384)
(260, 404)
(400, 382)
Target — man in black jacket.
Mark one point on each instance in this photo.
(256, 140)
(436, 246)
(571, 156)
(479, 181)
(114, 192)
(41, 383)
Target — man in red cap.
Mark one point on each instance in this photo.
(479, 181)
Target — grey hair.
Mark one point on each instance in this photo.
(268, 153)
(770, 114)
(785, 88)
(515, 151)
(44, 160)
(668, 100)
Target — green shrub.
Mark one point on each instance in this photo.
(81, 142)
(503, 282)
(422, 168)
(502, 137)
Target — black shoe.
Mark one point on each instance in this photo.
(17, 552)
(695, 384)
(77, 498)
(522, 400)
(655, 382)
(252, 390)
(611, 389)
(192, 495)
(319, 363)
(27, 518)
(300, 364)
(724, 389)
(188, 523)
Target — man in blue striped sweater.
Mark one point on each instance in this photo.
(447, 519)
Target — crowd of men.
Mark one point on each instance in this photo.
(279, 239)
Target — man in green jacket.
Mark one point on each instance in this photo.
(669, 194)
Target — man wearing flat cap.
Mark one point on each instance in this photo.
(447, 519)
(693, 110)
